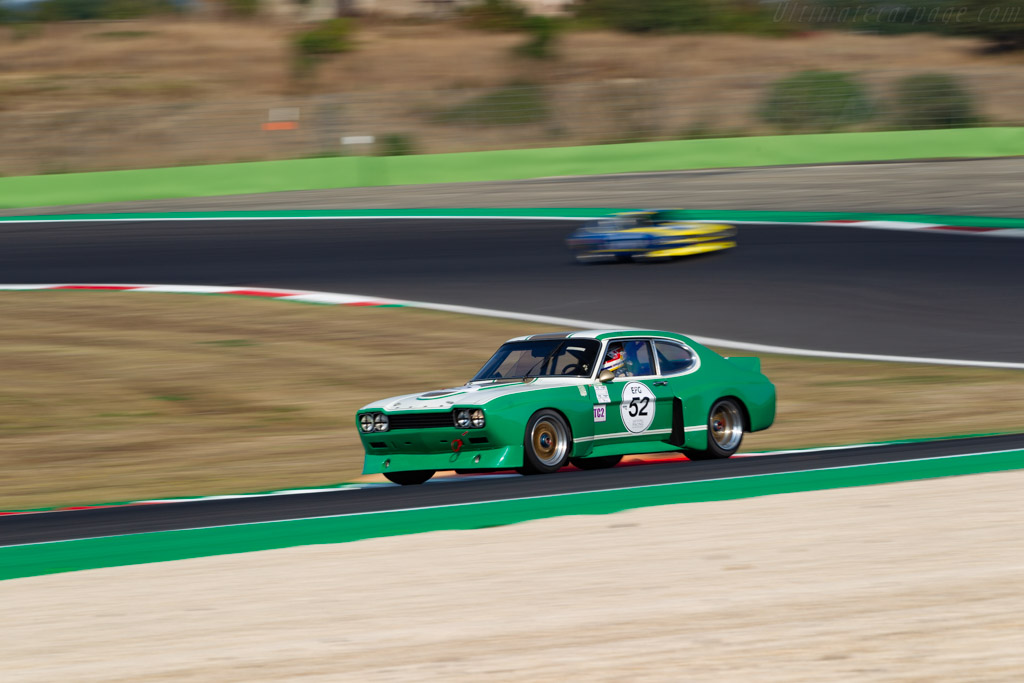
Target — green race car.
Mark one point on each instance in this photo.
(588, 398)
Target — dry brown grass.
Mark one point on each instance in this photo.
(77, 65)
(119, 396)
(159, 92)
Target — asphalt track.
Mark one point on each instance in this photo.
(65, 525)
(834, 289)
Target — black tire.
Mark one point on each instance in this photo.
(410, 478)
(725, 430)
(547, 443)
(599, 463)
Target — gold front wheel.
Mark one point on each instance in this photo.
(547, 443)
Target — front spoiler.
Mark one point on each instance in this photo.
(492, 458)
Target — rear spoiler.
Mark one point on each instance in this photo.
(748, 363)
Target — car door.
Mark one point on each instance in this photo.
(677, 365)
(636, 406)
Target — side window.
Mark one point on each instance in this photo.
(638, 358)
(674, 358)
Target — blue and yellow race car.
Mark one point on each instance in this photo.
(647, 236)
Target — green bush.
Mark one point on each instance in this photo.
(816, 101)
(652, 15)
(496, 15)
(679, 16)
(933, 101)
(511, 105)
(328, 37)
(243, 9)
(25, 30)
(78, 10)
(310, 47)
(395, 145)
(541, 44)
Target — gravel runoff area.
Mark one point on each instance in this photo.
(914, 581)
(986, 187)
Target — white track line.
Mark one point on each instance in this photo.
(183, 219)
(356, 299)
(873, 225)
(906, 226)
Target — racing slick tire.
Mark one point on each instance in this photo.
(410, 478)
(599, 463)
(546, 443)
(725, 431)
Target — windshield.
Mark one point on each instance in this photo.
(541, 358)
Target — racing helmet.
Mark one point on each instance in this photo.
(614, 359)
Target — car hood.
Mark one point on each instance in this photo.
(473, 394)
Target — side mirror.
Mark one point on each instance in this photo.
(606, 376)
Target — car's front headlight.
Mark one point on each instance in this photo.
(366, 422)
(466, 418)
(380, 422)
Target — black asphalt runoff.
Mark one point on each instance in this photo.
(57, 526)
(829, 288)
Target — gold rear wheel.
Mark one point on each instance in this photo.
(725, 428)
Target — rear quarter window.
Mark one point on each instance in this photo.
(674, 358)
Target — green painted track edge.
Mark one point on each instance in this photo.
(718, 214)
(64, 556)
(504, 165)
(342, 485)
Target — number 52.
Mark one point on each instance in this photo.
(638, 406)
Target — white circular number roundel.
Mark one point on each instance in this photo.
(637, 407)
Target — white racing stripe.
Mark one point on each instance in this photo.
(622, 435)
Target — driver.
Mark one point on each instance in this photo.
(615, 360)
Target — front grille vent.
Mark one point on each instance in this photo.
(420, 420)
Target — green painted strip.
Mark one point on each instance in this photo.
(51, 558)
(313, 174)
(718, 215)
